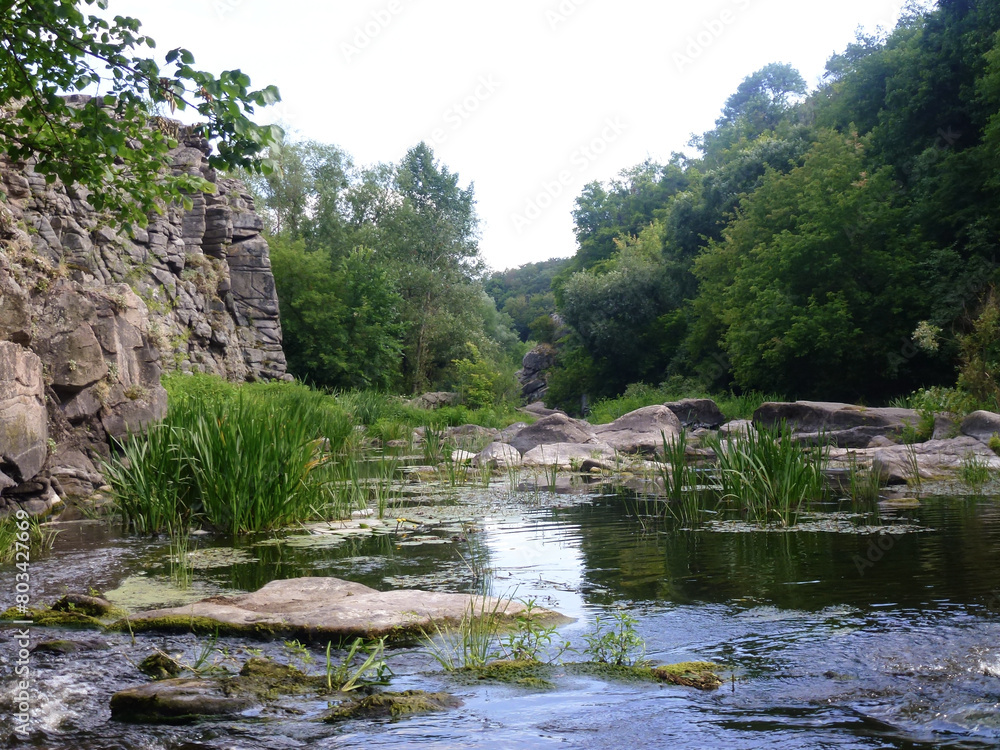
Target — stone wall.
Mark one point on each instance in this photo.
(89, 318)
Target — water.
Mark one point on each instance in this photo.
(830, 637)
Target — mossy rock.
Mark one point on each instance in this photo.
(50, 618)
(62, 647)
(392, 705)
(196, 625)
(697, 674)
(177, 701)
(266, 679)
(159, 666)
(93, 606)
(523, 672)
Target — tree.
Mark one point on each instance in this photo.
(110, 144)
(340, 318)
(305, 194)
(814, 284)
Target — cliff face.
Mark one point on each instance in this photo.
(89, 318)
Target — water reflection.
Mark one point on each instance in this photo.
(824, 651)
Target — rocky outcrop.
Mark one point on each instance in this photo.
(533, 375)
(23, 420)
(555, 428)
(641, 431)
(698, 412)
(982, 425)
(934, 459)
(842, 425)
(90, 317)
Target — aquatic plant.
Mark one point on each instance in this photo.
(531, 640)
(618, 643)
(913, 467)
(768, 475)
(974, 471)
(27, 531)
(864, 482)
(346, 675)
(256, 460)
(473, 642)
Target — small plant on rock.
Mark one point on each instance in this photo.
(617, 644)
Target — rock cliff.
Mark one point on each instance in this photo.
(89, 318)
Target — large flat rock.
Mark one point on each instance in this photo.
(555, 428)
(569, 455)
(935, 459)
(326, 609)
(825, 416)
(641, 431)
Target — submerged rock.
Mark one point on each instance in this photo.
(177, 701)
(698, 674)
(325, 609)
(392, 705)
(63, 647)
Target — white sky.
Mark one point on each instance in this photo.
(527, 99)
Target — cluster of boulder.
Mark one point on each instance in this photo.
(886, 439)
(557, 439)
(90, 317)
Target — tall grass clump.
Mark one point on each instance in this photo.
(19, 534)
(236, 460)
(864, 482)
(471, 644)
(768, 475)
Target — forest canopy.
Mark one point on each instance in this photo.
(839, 243)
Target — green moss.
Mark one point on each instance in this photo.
(524, 672)
(266, 679)
(50, 618)
(159, 666)
(699, 674)
(393, 705)
(603, 670)
(89, 605)
(196, 625)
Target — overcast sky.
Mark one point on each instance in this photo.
(527, 99)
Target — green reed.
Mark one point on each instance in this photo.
(768, 475)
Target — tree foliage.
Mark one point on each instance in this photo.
(379, 274)
(109, 144)
(816, 239)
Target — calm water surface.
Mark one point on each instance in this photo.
(832, 636)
